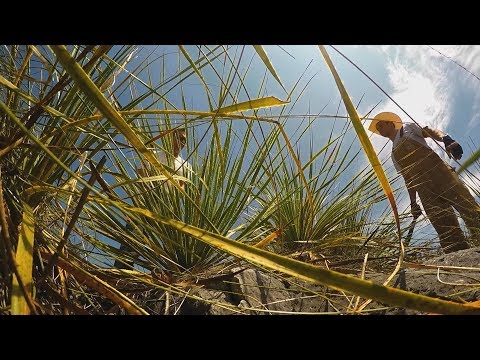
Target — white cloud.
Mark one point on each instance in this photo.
(465, 57)
(419, 87)
(463, 66)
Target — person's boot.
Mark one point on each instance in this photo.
(456, 246)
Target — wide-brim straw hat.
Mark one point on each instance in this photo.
(385, 116)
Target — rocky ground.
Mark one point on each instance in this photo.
(258, 292)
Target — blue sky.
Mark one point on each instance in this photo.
(431, 88)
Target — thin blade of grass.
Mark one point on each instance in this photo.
(197, 71)
(99, 285)
(150, 179)
(62, 299)
(373, 159)
(475, 156)
(76, 214)
(200, 114)
(12, 99)
(95, 95)
(48, 66)
(263, 55)
(14, 88)
(29, 134)
(71, 184)
(24, 260)
(207, 90)
(33, 114)
(18, 91)
(363, 137)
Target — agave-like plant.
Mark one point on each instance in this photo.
(337, 216)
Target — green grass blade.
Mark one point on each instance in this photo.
(199, 74)
(475, 156)
(363, 137)
(12, 116)
(14, 88)
(207, 90)
(93, 92)
(200, 114)
(254, 104)
(24, 260)
(263, 55)
(99, 285)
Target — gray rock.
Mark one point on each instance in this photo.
(448, 284)
(264, 292)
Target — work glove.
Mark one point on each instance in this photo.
(452, 147)
(415, 209)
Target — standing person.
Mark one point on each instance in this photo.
(180, 167)
(436, 183)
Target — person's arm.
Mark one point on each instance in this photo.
(451, 146)
(435, 134)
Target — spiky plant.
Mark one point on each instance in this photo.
(337, 214)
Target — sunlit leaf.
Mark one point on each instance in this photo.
(363, 137)
(255, 104)
(24, 260)
(94, 93)
(268, 239)
(263, 55)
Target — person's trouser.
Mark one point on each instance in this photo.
(439, 207)
(444, 220)
(441, 191)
